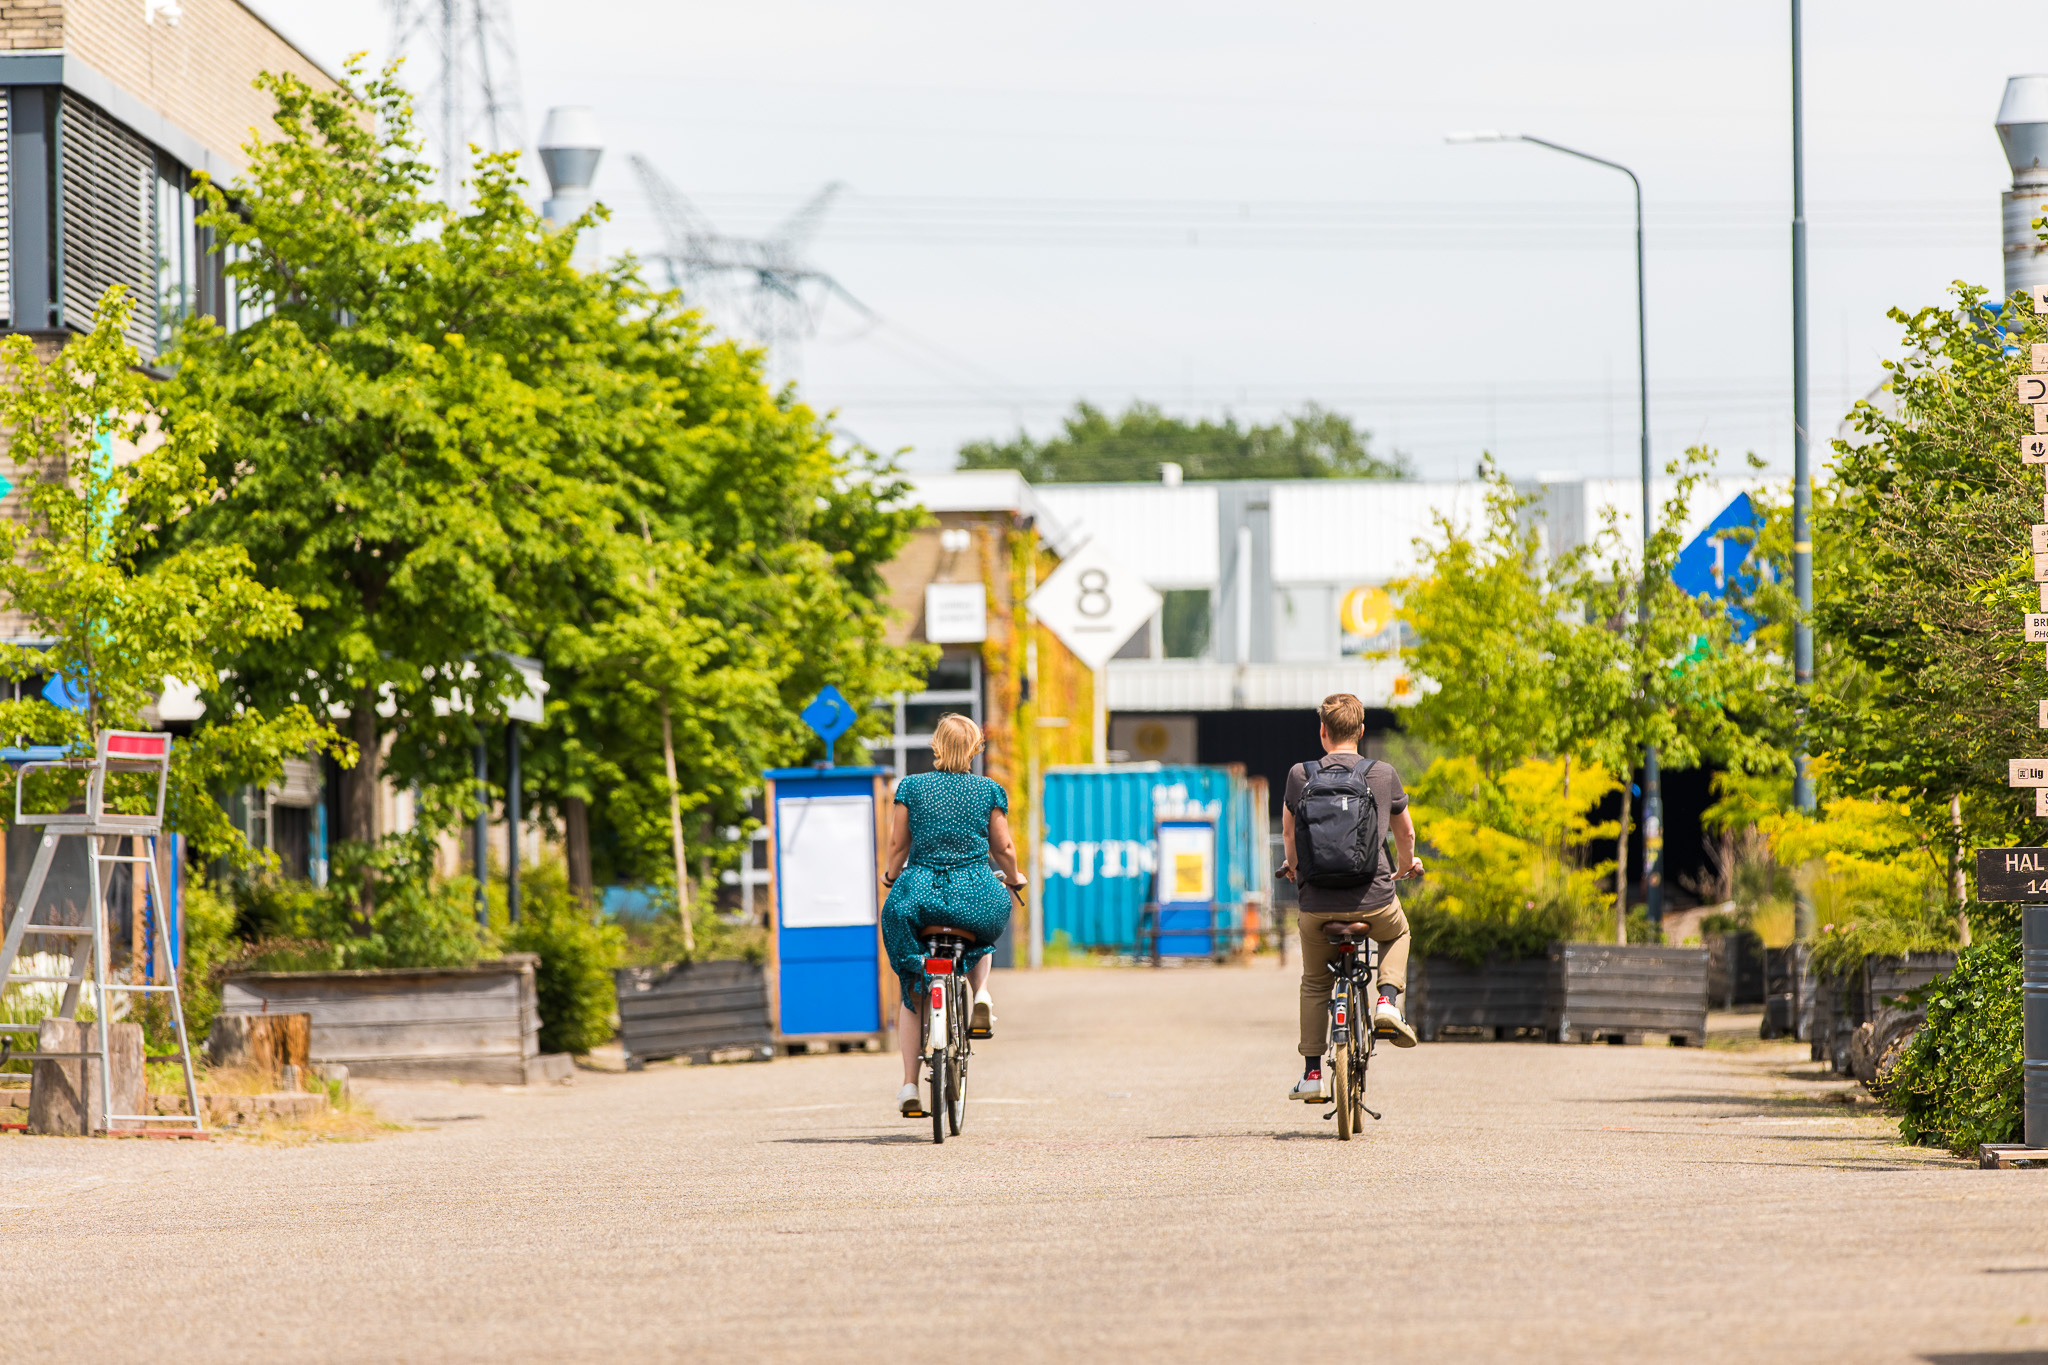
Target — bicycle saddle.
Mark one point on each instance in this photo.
(931, 931)
(1347, 933)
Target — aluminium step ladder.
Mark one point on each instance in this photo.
(116, 751)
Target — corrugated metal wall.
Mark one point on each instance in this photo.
(1099, 851)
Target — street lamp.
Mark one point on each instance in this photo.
(1653, 796)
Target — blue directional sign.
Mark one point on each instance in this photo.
(1713, 560)
(831, 715)
(60, 693)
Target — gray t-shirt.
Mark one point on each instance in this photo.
(1385, 785)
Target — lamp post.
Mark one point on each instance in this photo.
(1653, 795)
(1802, 480)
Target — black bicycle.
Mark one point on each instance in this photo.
(1352, 1035)
(947, 1039)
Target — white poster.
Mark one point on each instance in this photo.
(1187, 864)
(825, 856)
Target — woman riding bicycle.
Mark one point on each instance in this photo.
(947, 824)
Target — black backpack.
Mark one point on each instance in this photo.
(1337, 830)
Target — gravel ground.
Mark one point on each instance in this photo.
(1130, 1181)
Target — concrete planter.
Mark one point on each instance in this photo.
(693, 1010)
(1499, 996)
(1627, 992)
(477, 1023)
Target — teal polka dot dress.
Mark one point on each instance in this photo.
(948, 879)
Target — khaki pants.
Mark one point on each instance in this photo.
(1389, 929)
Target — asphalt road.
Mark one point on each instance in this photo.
(1130, 1182)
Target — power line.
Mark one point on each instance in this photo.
(1350, 225)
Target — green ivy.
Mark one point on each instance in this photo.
(1959, 1082)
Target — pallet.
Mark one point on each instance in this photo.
(2011, 1156)
(1633, 1037)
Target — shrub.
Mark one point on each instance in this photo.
(1503, 880)
(657, 942)
(574, 978)
(209, 929)
(1959, 1082)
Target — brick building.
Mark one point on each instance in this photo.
(109, 108)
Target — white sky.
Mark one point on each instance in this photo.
(1221, 207)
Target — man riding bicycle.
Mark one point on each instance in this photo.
(1334, 820)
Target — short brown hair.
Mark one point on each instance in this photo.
(1343, 716)
(955, 743)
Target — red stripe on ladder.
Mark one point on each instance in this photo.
(151, 745)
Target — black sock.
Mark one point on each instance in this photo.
(1315, 1064)
(1392, 995)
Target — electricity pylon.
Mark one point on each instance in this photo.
(465, 73)
(763, 284)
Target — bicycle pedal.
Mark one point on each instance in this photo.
(921, 1114)
(981, 1033)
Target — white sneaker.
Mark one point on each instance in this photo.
(908, 1102)
(1311, 1088)
(1388, 1023)
(983, 1024)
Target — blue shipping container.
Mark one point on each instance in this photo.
(1098, 852)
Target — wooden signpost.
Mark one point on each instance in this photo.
(2021, 874)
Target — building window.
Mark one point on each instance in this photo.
(107, 203)
(177, 253)
(954, 684)
(1184, 623)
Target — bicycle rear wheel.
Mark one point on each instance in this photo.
(956, 1090)
(1357, 1096)
(940, 1061)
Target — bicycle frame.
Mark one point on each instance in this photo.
(946, 1047)
(944, 977)
(1355, 967)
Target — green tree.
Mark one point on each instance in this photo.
(450, 445)
(1672, 675)
(1486, 622)
(109, 481)
(1526, 657)
(1094, 447)
(1925, 683)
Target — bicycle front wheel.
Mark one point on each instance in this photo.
(956, 1112)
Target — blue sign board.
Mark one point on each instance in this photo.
(1712, 561)
(831, 715)
(828, 947)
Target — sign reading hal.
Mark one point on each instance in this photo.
(2012, 874)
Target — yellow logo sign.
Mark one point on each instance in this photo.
(1366, 611)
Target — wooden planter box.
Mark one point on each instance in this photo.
(1499, 995)
(1627, 992)
(693, 1010)
(1788, 994)
(1735, 969)
(1844, 1003)
(477, 1023)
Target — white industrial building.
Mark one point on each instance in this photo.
(1257, 574)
